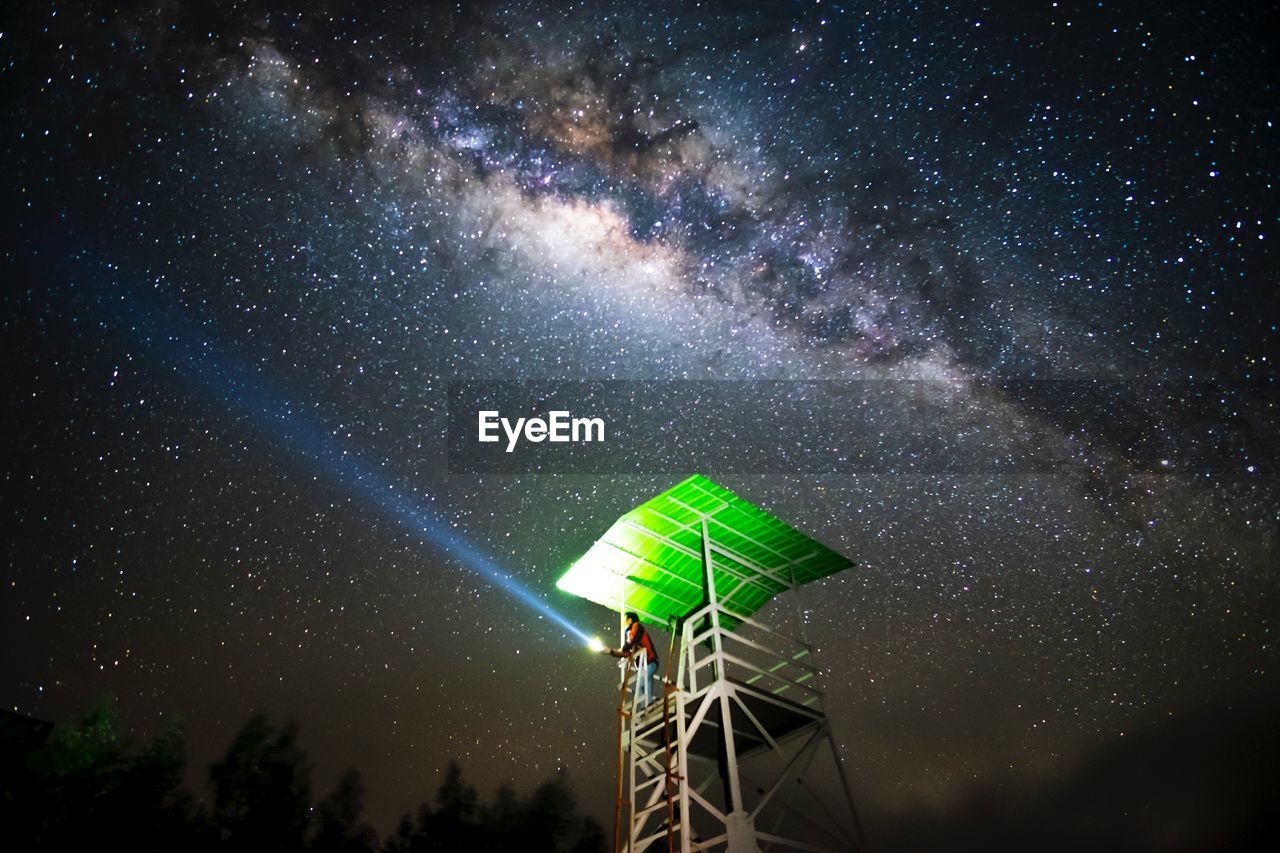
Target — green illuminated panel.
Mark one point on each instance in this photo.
(650, 560)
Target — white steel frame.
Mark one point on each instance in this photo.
(666, 783)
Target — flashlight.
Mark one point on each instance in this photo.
(595, 645)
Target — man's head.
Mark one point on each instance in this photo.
(631, 618)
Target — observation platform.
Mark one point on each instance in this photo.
(717, 761)
(778, 717)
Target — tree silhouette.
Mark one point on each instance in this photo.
(90, 787)
(505, 820)
(87, 787)
(400, 841)
(454, 824)
(262, 790)
(547, 821)
(340, 829)
(551, 816)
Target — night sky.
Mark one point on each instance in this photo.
(246, 250)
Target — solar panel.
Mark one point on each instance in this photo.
(650, 560)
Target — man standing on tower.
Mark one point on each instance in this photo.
(637, 641)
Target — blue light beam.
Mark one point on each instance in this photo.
(194, 357)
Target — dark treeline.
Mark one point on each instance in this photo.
(88, 788)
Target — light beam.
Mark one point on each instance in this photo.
(190, 353)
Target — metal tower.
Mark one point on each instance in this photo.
(738, 755)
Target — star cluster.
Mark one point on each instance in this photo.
(356, 205)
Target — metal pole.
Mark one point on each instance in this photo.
(682, 765)
(641, 665)
(733, 789)
(618, 801)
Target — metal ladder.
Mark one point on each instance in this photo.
(634, 725)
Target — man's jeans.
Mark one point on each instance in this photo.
(644, 684)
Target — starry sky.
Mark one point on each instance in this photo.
(247, 248)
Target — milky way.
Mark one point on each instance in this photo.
(1056, 218)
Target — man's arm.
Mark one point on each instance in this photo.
(629, 647)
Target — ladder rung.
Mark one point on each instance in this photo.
(657, 751)
(647, 783)
(644, 842)
(648, 810)
(643, 732)
(658, 776)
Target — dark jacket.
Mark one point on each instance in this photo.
(638, 638)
